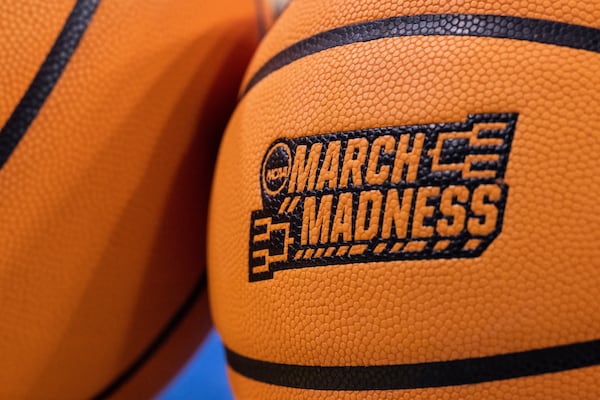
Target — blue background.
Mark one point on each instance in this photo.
(204, 377)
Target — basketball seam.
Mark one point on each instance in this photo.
(420, 375)
(160, 339)
(46, 78)
(464, 25)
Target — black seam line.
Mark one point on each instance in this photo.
(476, 25)
(422, 375)
(198, 290)
(46, 78)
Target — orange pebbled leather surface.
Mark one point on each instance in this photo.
(103, 207)
(303, 19)
(29, 28)
(536, 286)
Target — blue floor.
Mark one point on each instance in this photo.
(204, 377)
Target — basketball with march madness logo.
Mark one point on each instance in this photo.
(405, 204)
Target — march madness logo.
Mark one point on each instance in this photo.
(398, 193)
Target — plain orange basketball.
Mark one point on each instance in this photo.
(111, 112)
(405, 204)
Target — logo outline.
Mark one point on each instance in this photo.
(493, 146)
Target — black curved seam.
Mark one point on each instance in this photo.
(475, 25)
(197, 291)
(46, 78)
(422, 375)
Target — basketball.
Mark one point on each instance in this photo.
(112, 112)
(405, 204)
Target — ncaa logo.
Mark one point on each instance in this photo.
(276, 169)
